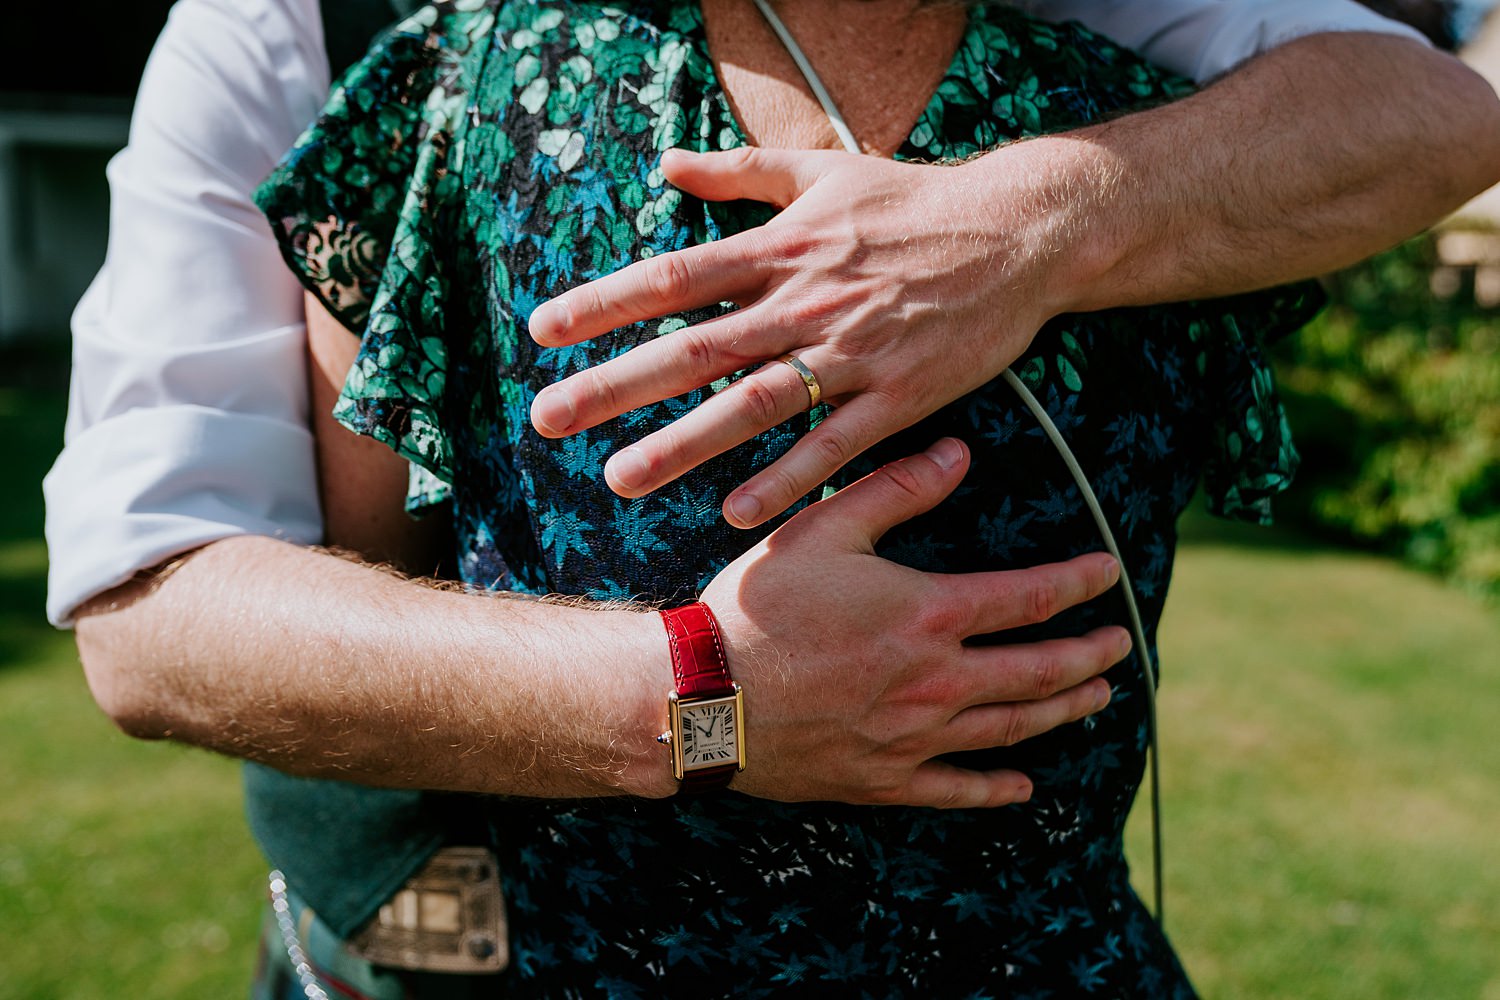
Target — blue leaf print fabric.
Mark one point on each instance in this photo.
(485, 157)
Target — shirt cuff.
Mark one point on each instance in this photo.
(142, 487)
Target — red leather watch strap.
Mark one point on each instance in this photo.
(699, 665)
(710, 779)
(701, 670)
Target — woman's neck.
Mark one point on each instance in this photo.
(881, 60)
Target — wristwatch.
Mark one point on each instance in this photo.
(706, 712)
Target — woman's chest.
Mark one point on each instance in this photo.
(560, 169)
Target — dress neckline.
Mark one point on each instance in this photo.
(908, 149)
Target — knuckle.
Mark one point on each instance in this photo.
(884, 790)
(695, 349)
(935, 691)
(940, 619)
(1042, 600)
(600, 391)
(589, 304)
(816, 306)
(758, 404)
(780, 488)
(667, 278)
(1013, 726)
(668, 450)
(899, 475)
(739, 344)
(951, 798)
(794, 240)
(740, 158)
(1046, 676)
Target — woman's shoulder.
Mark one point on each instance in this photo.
(445, 49)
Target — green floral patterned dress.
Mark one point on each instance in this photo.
(484, 157)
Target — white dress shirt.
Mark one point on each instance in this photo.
(187, 421)
(1204, 39)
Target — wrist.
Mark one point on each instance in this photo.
(1062, 204)
(706, 709)
(648, 769)
(694, 715)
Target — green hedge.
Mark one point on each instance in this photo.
(1394, 395)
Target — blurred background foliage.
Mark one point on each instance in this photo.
(1394, 393)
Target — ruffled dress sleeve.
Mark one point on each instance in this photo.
(1251, 457)
(1018, 76)
(364, 208)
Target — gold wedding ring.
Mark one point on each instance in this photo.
(814, 390)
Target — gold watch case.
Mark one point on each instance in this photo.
(678, 708)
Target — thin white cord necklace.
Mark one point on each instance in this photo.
(1055, 436)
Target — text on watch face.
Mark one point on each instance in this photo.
(709, 737)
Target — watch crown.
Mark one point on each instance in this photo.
(665, 739)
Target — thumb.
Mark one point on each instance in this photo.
(900, 491)
(776, 176)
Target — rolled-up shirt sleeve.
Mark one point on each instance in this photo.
(1204, 39)
(187, 417)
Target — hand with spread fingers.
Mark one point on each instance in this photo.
(822, 315)
(899, 287)
(877, 708)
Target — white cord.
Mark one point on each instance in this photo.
(1055, 436)
(1136, 626)
(795, 51)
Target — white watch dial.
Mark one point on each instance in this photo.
(709, 735)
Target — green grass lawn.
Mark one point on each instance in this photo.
(126, 870)
(1330, 773)
(1332, 802)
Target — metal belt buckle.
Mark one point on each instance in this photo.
(449, 917)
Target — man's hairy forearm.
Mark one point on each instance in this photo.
(321, 666)
(1304, 160)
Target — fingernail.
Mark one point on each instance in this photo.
(744, 508)
(1125, 643)
(629, 469)
(1023, 794)
(553, 412)
(550, 320)
(946, 453)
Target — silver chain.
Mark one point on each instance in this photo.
(282, 908)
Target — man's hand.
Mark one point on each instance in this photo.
(855, 670)
(880, 276)
(903, 287)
